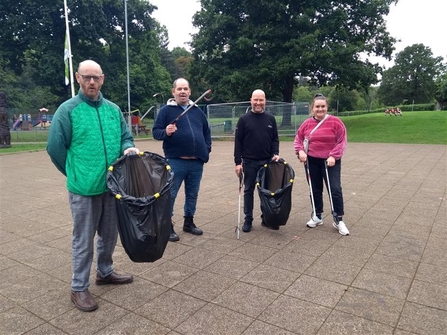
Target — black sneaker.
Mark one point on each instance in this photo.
(246, 227)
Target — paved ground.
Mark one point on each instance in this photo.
(388, 277)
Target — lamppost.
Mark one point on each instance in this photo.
(159, 94)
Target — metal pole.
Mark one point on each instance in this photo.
(162, 98)
(129, 120)
(70, 56)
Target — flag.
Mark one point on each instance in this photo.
(66, 56)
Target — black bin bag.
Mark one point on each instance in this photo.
(274, 182)
(141, 184)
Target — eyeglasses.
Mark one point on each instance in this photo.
(88, 78)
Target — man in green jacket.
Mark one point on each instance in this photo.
(87, 134)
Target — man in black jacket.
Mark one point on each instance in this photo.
(256, 143)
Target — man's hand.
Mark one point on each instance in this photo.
(238, 169)
(170, 129)
(131, 150)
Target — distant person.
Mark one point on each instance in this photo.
(256, 143)
(87, 134)
(186, 145)
(326, 145)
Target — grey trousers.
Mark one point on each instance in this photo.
(91, 215)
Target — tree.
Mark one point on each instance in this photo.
(244, 45)
(412, 78)
(341, 100)
(302, 94)
(32, 36)
(441, 90)
(167, 57)
(183, 60)
(177, 62)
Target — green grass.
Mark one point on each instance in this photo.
(23, 147)
(412, 128)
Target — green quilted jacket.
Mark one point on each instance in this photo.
(85, 138)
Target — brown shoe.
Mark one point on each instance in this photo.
(114, 279)
(83, 301)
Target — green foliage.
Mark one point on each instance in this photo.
(32, 36)
(244, 45)
(181, 63)
(441, 90)
(343, 100)
(412, 79)
(22, 93)
(417, 107)
(302, 94)
(340, 100)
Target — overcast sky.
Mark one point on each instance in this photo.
(410, 21)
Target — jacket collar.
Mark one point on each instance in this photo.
(91, 102)
(171, 102)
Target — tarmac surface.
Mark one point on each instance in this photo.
(388, 277)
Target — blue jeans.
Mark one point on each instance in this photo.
(317, 176)
(189, 171)
(91, 215)
(251, 168)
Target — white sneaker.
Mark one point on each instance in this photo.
(341, 228)
(314, 221)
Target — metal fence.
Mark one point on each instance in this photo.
(223, 118)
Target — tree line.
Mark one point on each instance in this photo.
(283, 47)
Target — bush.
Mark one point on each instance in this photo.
(418, 107)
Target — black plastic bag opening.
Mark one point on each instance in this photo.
(274, 182)
(141, 184)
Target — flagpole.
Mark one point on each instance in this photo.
(129, 120)
(70, 56)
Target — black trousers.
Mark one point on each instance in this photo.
(317, 176)
(251, 168)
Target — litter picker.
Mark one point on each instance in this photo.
(309, 182)
(241, 184)
(191, 106)
(328, 186)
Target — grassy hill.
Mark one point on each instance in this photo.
(412, 127)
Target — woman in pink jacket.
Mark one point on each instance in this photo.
(325, 148)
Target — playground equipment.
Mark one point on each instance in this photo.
(43, 119)
(27, 122)
(23, 122)
(137, 122)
